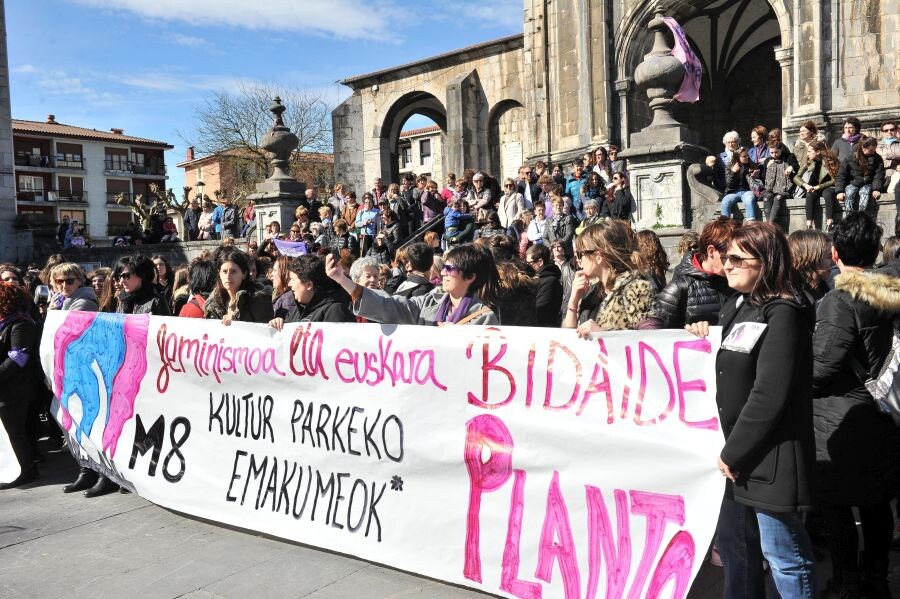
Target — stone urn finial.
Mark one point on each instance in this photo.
(660, 74)
(280, 142)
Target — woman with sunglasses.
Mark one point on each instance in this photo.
(511, 205)
(139, 294)
(764, 393)
(621, 300)
(68, 279)
(465, 296)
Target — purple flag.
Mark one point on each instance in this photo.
(291, 248)
(693, 70)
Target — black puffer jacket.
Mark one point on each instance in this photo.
(857, 446)
(327, 305)
(852, 173)
(691, 296)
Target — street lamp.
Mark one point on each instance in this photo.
(200, 185)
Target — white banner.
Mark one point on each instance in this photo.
(9, 465)
(521, 462)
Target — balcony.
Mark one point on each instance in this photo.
(111, 197)
(34, 161)
(69, 161)
(148, 169)
(32, 195)
(76, 197)
(116, 166)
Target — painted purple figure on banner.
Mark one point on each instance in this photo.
(693, 70)
(291, 248)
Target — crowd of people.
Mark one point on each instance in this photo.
(850, 175)
(807, 319)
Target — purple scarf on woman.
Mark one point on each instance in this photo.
(461, 310)
(851, 139)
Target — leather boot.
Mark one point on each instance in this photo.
(87, 478)
(104, 486)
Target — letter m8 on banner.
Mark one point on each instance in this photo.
(693, 71)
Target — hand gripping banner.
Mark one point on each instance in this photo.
(521, 462)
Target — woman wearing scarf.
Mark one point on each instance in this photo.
(846, 143)
(468, 280)
(18, 351)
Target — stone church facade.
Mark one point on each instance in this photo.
(565, 85)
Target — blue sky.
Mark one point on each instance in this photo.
(144, 65)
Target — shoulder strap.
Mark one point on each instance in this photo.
(469, 318)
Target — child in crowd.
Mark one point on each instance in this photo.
(777, 185)
(453, 218)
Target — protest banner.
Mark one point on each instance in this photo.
(9, 465)
(519, 461)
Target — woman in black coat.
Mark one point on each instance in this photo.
(139, 295)
(857, 446)
(18, 355)
(763, 390)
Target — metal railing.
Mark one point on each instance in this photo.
(34, 160)
(418, 233)
(111, 196)
(63, 162)
(80, 197)
(115, 165)
(33, 195)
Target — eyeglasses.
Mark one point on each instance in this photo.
(67, 281)
(888, 129)
(449, 269)
(582, 253)
(738, 261)
(122, 275)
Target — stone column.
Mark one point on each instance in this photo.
(624, 87)
(8, 241)
(785, 58)
(466, 123)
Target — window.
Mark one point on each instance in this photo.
(71, 189)
(31, 189)
(425, 152)
(405, 156)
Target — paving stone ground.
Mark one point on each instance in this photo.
(58, 545)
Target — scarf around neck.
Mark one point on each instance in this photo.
(461, 310)
(851, 139)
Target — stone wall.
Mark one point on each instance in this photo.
(8, 240)
(176, 253)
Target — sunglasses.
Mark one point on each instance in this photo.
(582, 253)
(738, 261)
(888, 129)
(449, 269)
(122, 275)
(67, 281)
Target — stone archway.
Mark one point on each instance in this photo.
(742, 79)
(506, 123)
(417, 102)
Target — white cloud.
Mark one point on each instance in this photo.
(187, 40)
(173, 83)
(24, 69)
(339, 18)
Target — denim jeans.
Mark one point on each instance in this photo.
(857, 198)
(744, 196)
(747, 535)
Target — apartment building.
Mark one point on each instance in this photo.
(420, 151)
(68, 171)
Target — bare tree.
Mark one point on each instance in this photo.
(232, 124)
(157, 202)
